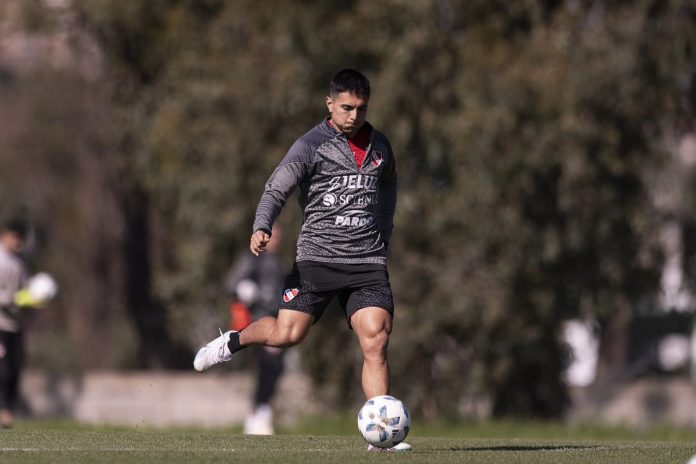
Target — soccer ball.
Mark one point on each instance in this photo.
(42, 287)
(384, 421)
(38, 291)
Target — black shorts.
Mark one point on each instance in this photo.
(310, 287)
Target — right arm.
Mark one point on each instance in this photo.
(292, 170)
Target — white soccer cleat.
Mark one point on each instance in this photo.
(213, 353)
(400, 447)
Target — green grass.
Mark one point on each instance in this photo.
(346, 425)
(321, 441)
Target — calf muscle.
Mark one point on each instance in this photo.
(288, 329)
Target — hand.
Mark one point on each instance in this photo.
(258, 242)
(24, 299)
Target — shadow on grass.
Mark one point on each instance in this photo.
(524, 448)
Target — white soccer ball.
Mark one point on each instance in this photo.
(384, 421)
(42, 287)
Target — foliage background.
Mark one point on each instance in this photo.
(534, 139)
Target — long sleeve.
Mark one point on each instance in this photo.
(387, 199)
(288, 175)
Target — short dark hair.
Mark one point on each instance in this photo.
(18, 227)
(351, 81)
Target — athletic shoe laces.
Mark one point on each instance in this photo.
(221, 349)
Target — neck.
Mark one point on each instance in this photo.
(334, 125)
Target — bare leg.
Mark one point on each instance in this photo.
(373, 325)
(288, 329)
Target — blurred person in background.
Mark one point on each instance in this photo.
(13, 277)
(18, 294)
(254, 285)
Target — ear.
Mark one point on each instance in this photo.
(329, 104)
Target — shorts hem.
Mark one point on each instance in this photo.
(300, 310)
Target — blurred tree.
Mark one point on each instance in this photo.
(526, 135)
(57, 170)
(547, 130)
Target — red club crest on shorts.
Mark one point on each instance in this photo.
(289, 294)
(377, 158)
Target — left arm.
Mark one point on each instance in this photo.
(387, 198)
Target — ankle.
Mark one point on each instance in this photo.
(234, 344)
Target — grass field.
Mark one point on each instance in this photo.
(333, 441)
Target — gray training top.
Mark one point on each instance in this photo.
(348, 212)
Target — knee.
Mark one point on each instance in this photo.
(290, 335)
(293, 337)
(374, 345)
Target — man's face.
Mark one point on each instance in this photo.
(348, 112)
(12, 242)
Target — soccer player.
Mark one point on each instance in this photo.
(346, 173)
(13, 276)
